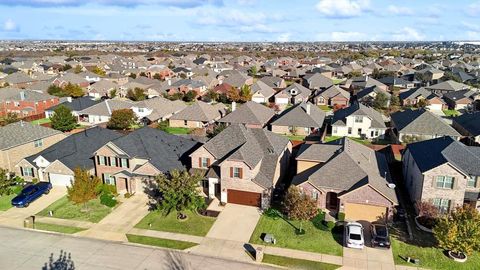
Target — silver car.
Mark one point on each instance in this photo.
(354, 235)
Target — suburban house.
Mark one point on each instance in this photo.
(302, 119)
(243, 165)
(273, 82)
(128, 162)
(261, 93)
(317, 81)
(394, 82)
(25, 102)
(461, 100)
(72, 78)
(101, 112)
(198, 115)
(367, 95)
(75, 105)
(358, 121)
(22, 139)
(419, 125)
(293, 94)
(413, 96)
(446, 87)
(332, 96)
(102, 88)
(442, 171)
(250, 114)
(468, 124)
(348, 177)
(56, 164)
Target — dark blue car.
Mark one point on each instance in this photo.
(31, 193)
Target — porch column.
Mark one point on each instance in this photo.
(211, 187)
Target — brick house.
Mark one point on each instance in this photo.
(25, 102)
(348, 177)
(130, 161)
(22, 139)
(243, 165)
(442, 171)
(332, 96)
(198, 115)
(250, 114)
(301, 119)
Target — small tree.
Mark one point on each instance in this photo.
(56, 91)
(73, 90)
(9, 118)
(66, 67)
(77, 69)
(143, 74)
(216, 129)
(394, 100)
(132, 75)
(380, 101)
(84, 188)
(245, 93)
(112, 93)
(422, 103)
(253, 71)
(212, 95)
(63, 119)
(190, 96)
(459, 231)
(122, 119)
(157, 76)
(99, 71)
(6, 182)
(136, 94)
(179, 191)
(299, 207)
(233, 94)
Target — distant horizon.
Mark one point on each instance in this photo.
(240, 20)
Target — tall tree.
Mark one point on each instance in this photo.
(136, 94)
(179, 191)
(6, 182)
(56, 91)
(233, 94)
(380, 101)
(84, 187)
(253, 71)
(299, 206)
(99, 71)
(212, 95)
(63, 119)
(77, 69)
(122, 119)
(190, 96)
(245, 93)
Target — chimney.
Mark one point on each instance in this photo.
(308, 108)
(22, 95)
(169, 81)
(234, 106)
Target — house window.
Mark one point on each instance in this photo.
(113, 161)
(237, 172)
(358, 119)
(442, 204)
(349, 131)
(108, 179)
(27, 172)
(334, 130)
(204, 162)
(141, 110)
(472, 181)
(204, 183)
(315, 195)
(102, 160)
(445, 182)
(185, 122)
(124, 163)
(38, 143)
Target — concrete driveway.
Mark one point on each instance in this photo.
(121, 220)
(235, 223)
(14, 217)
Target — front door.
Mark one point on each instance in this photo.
(217, 190)
(332, 201)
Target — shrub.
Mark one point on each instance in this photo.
(341, 216)
(127, 195)
(330, 225)
(108, 200)
(107, 189)
(272, 213)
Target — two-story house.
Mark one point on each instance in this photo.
(358, 121)
(25, 102)
(346, 176)
(130, 161)
(442, 171)
(243, 165)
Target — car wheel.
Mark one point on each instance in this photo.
(47, 191)
(26, 204)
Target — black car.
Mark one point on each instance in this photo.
(380, 236)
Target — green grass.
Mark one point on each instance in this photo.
(41, 121)
(451, 113)
(177, 130)
(331, 138)
(159, 242)
(65, 209)
(195, 224)
(57, 228)
(5, 200)
(431, 257)
(296, 137)
(364, 142)
(337, 81)
(325, 108)
(292, 263)
(315, 239)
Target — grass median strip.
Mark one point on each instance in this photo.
(297, 263)
(159, 242)
(57, 228)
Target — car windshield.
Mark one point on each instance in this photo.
(354, 236)
(381, 231)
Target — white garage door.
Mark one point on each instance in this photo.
(435, 107)
(281, 101)
(60, 179)
(258, 99)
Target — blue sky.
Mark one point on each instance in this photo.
(241, 20)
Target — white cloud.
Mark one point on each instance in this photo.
(473, 9)
(471, 26)
(401, 11)
(473, 35)
(125, 3)
(407, 34)
(10, 26)
(342, 36)
(284, 37)
(343, 8)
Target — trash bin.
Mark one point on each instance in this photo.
(259, 254)
(29, 222)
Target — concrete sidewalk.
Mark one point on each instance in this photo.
(65, 222)
(167, 235)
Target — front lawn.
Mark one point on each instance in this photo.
(296, 137)
(331, 138)
(57, 228)
(6, 200)
(195, 224)
(316, 239)
(63, 208)
(325, 108)
(431, 257)
(41, 121)
(292, 263)
(451, 113)
(159, 242)
(177, 130)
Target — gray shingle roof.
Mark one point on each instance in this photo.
(421, 122)
(448, 86)
(339, 117)
(13, 94)
(297, 116)
(249, 113)
(263, 89)
(200, 111)
(470, 122)
(23, 132)
(77, 104)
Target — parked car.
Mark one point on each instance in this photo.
(31, 193)
(354, 235)
(380, 236)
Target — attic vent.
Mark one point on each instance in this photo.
(270, 150)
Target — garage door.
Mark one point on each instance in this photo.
(60, 179)
(357, 212)
(435, 107)
(244, 197)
